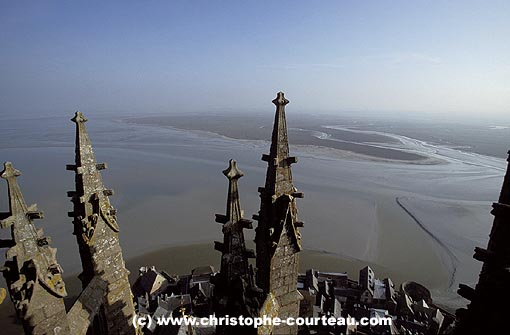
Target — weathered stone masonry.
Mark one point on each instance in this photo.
(235, 291)
(33, 276)
(488, 308)
(278, 240)
(96, 230)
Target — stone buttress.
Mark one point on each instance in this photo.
(235, 291)
(97, 233)
(33, 276)
(278, 240)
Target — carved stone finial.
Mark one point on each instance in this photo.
(9, 171)
(280, 99)
(233, 172)
(78, 117)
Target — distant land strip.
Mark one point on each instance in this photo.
(256, 129)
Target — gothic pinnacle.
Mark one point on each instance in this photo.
(277, 237)
(17, 203)
(96, 230)
(235, 291)
(31, 270)
(91, 197)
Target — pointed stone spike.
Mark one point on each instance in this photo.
(499, 209)
(299, 195)
(299, 224)
(246, 224)
(7, 222)
(101, 166)
(219, 246)
(108, 192)
(220, 218)
(466, 292)
(33, 215)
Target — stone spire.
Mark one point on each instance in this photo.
(33, 276)
(486, 313)
(234, 212)
(279, 174)
(234, 261)
(278, 240)
(235, 291)
(96, 230)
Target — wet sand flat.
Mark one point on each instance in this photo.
(300, 133)
(168, 186)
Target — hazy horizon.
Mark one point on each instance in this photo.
(421, 57)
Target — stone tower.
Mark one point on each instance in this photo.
(488, 309)
(33, 276)
(278, 240)
(235, 291)
(96, 230)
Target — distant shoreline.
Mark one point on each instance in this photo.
(254, 128)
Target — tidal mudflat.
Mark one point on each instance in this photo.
(412, 208)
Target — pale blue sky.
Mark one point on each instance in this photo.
(156, 56)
